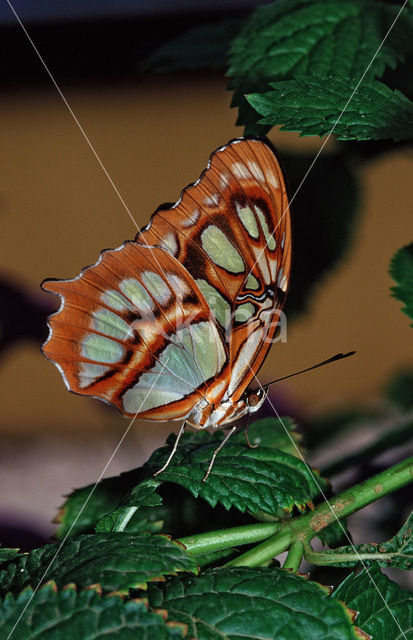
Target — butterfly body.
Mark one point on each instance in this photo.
(176, 324)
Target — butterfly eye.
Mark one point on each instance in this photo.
(256, 398)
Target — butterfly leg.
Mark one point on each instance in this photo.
(171, 455)
(217, 450)
(251, 446)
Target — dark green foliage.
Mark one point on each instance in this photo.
(84, 615)
(117, 562)
(401, 270)
(231, 604)
(325, 39)
(385, 611)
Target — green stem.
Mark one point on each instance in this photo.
(294, 556)
(225, 538)
(324, 558)
(351, 500)
(308, 526)
(265, 551)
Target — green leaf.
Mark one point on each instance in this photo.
(84, 508)
(84, 615)
(385, 610)
(258, 480)
(133, 507)
(323, 37)
(315, 105)
(401, 270)
(239, 603)
(396, 552)
(202, 47)
(274, 433)
(7, 554)
(115, 561)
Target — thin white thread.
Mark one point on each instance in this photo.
(329, 134)
(326, 500)
(83, 507)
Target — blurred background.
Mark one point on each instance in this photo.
(154, 134)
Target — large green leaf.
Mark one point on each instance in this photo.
(321, 37)
(261, 480)
(401, 269)
(257, 480)
(396, 552)
(115, 561)
(83, 615)
(385, 610)
(239, 603)
(315, 105)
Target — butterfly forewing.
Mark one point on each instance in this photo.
(231, 230)
(183, 316)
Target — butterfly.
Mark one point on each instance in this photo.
(176, 324)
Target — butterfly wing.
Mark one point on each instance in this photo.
(231, 230)
(188, 310)
(135, 331)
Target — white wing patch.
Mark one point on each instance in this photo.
(220, 250)
(179, 369)
(248, 220)
(100, 349)
(138, 295)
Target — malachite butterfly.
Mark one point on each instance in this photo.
(176, 324)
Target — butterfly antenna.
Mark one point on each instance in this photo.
(338, 356)
(171, 455)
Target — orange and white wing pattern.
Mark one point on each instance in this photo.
(179, 321)
(132, 330)
(232, 231)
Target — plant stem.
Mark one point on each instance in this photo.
(324, 558)
(308, 526)
(265, 551)
(294, 556)
(224, 538)
(351, 500)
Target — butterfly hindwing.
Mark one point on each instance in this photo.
(134, 330)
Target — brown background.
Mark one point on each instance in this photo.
(58, 210)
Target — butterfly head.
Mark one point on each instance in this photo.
(254, 398)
